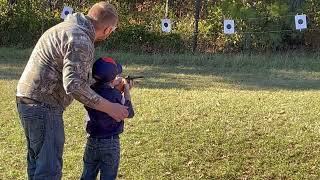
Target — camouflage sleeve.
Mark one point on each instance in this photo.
(76, 67)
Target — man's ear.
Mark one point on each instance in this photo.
(108, 30)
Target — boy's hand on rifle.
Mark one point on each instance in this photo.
(121, 84)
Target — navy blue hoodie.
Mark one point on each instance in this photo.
(100, 124)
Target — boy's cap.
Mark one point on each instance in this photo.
(106, 69)
(119, 68)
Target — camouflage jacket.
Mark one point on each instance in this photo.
(59, 67)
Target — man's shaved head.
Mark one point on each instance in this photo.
(103, 14)
(104, 17)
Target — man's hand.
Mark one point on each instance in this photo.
(118, 111)
(115, 110)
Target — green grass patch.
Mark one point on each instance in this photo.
(197, 117)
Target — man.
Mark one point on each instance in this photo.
(56, 73)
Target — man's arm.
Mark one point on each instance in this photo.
(76, 66)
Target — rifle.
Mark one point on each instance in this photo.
(131, 78)
(120, 86)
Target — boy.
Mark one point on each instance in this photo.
(102, 152)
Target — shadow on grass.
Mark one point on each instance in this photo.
(12, 62)
(168, 77)
(289, 72)
(11, 71)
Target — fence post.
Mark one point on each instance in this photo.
(196, 31)
(167, 7)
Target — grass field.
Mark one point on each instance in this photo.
(197, 117)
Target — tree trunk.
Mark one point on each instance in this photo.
(196, 31)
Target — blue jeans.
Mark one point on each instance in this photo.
(44, 132)
(101, 155)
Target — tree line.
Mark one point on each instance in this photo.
(260, 25)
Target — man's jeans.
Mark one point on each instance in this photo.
(101, 155)
(44, 131)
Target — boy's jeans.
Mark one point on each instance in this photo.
(101, 155)
(44, 131)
